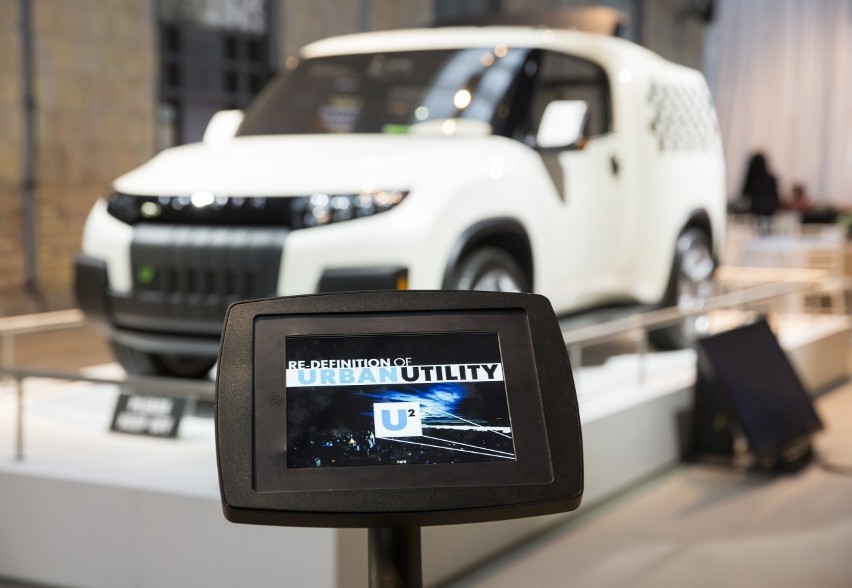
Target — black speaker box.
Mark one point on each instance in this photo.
(749, 401)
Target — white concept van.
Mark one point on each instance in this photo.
(575, 165)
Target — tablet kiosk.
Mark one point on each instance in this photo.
(395, 409)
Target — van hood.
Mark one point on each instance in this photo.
(305, 164)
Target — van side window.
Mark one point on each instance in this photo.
(563, 77)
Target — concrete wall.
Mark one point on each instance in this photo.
(303, 22)
(675, 29)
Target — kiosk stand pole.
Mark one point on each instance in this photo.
(394, 554)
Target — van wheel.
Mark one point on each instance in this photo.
(492, 269)
(690, 285)
(141, 363)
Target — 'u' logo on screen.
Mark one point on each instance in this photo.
(397, 419)
(401, 419)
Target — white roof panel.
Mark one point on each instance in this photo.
(461, 37)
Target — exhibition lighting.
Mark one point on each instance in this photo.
(295, 212)
(462, 99)
(202, 199)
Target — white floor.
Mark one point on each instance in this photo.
(702, 526)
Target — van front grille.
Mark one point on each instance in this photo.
(184, 275)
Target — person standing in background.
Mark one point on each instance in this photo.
(761, 189)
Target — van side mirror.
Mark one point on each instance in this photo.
(563, 124)
(222, 127)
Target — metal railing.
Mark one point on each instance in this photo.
(12, 326)
(639, 325)
(150, 386)
(575, 339)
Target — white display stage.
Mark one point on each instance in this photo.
(91, 508)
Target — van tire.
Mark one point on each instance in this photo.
(142, 363)
(491, 269)
(690, 285)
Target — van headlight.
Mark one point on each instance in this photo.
(323, 209)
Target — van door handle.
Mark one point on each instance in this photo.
(614, 165)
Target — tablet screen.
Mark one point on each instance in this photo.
(396, 399)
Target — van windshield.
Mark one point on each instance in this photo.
(388, 92)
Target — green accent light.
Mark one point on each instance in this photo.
(146, 274)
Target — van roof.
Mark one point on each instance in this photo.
(488, 36)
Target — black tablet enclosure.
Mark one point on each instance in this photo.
(395, 409)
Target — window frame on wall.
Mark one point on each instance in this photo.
(450, 12)
(209, 63)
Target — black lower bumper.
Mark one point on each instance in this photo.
(364, 278)
(90, 291)
(104, 310)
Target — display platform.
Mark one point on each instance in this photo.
(92, 508)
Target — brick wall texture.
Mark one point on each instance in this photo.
(94, 82)
(11, 131)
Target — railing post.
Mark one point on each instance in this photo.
(575, 355)
(8, 349)
(19, 418)
(642, 352)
